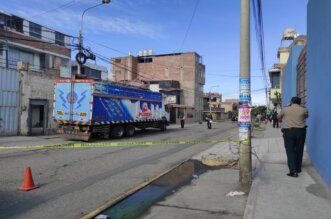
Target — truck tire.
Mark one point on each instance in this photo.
(117, 131)
(163, 126)
(129, 130)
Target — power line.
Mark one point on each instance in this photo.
(189, 26)
(16, 18)
(258, 18)
(13, 62)
(231, 76)
(68, 4)
(105, 46)
(124, 53)
(140, 74)
(121, 52)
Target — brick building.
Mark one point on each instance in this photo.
(301, 76)
(186, 68)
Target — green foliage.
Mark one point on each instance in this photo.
(205, 103)
(278, 98)
(262, 110)
(235, 113)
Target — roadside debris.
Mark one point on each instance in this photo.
(215, 160)
(235, 193)
(101, 216)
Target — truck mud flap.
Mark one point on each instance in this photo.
(84, 137)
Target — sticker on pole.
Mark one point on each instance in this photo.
(244, 132)
(245, 88)
(244, 114)
(244, 84)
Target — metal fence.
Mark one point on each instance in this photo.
(9, 101)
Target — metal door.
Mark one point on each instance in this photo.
(9, 97)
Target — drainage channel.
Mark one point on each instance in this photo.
(139, 202)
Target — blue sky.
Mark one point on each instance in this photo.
(132, 25)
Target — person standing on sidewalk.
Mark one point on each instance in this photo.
(275, 122)
(209, 121)
(294, 134)
(182, 120)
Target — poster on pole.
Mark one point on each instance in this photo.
(244, 115)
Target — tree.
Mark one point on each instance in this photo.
(205, 103)
(262, 110)
(278, 98)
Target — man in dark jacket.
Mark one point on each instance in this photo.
(182, 120)
(275, 122)
(294, 134)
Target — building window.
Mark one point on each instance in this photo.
(118, 60)
(42, 60)
(4, 20)
(2, 59)
(35, 30)
(12, 22)
(145, 59)
(64, 63)
(27, 57)
(94, 73)
(198, 59)
(17, 24)
(275, 80)
(59, 39)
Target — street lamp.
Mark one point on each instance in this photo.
(81, 57)
(210, 98)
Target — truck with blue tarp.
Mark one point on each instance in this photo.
(84, 107)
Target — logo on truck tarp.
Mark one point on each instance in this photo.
(79, 102)
(145, 112)
(72, 98)
(63, 99)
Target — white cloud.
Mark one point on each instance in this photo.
(120, 25)
(68, 21)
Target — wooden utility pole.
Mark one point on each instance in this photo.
(244, 119)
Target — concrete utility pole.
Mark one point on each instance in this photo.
(244, 119)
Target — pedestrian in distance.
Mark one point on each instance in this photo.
(182, 120)
(209, 121)
(270, 117)
(275, 122)
(294, 133)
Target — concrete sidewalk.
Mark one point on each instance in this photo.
(272, 195)
(275, 195)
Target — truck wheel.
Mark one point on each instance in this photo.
(163, 126)
(117, 132)
(129, 130)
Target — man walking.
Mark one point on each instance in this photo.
(294, 134)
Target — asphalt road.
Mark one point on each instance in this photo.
(74, 182)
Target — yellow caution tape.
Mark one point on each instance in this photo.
(115, 144)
